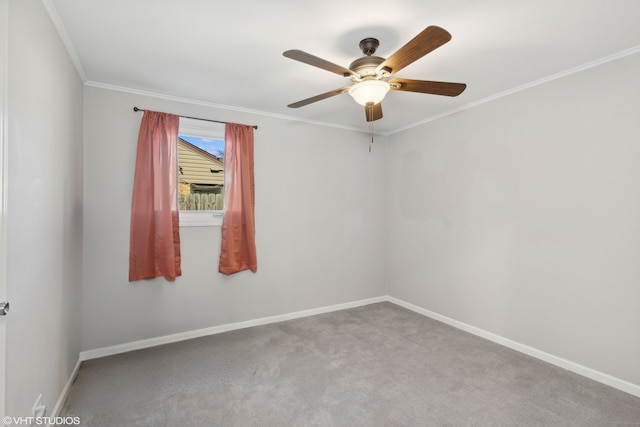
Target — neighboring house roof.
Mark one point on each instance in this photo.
(195, 165)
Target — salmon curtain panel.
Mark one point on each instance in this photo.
(154, 249)
(238, 248)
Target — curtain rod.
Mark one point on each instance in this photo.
(136, 109)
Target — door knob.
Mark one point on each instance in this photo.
(4, 308)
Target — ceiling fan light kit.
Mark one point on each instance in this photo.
(369, 74)
(369, 91)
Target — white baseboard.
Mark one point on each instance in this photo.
(65, 392)
(168, 339)
(601, 377)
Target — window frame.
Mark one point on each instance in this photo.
(209, 130)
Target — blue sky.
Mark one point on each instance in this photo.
(210, 145)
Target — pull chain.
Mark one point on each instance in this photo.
(371, 126)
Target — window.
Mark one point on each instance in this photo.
(200, 172)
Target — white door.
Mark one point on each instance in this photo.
(4, 56)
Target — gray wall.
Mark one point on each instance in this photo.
(319, 210)
(44, 212)
(518, 217)
(522, 217)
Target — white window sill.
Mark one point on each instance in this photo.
(201, 218)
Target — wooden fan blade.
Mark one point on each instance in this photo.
(427, 41)
(424, 86)
(318, 98)
(373, 111)
(307, 58)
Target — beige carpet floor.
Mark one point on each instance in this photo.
(377, 365)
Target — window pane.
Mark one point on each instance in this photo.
(200, 173)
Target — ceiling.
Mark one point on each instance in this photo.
(230, 53)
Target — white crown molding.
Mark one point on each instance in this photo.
(57, 22)
(538, 82)
(167, 97)
(64, 36)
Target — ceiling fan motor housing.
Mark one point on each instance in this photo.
(366, 66)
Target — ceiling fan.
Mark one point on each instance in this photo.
(371, 74)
